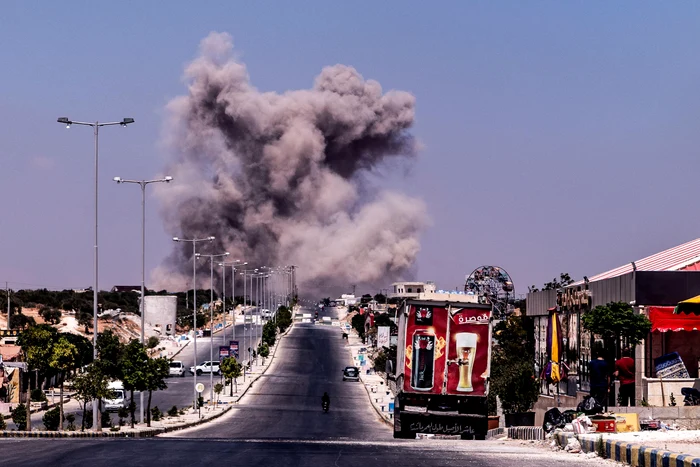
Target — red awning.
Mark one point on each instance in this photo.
(663, 320)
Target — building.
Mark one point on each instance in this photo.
(161, 314)
(661, 279)
(409, 289)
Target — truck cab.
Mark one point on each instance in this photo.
(118, 399)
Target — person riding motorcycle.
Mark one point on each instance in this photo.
(325, 400)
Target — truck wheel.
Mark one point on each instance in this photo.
(404, 435)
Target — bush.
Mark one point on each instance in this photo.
(106, 420)
(88, 419)
(70, 418)
(52, 419)
(173, 411)
(3, 425)
(156, 414)
(153, 341)
(38, 395)
(19, 416)
(269, 334)
(123, 414)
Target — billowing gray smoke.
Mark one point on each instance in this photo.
(281, 178)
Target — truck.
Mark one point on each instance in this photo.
(443, 366)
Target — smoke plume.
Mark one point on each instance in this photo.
(280, 179)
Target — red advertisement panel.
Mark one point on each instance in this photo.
(468, 351)
(424, 362)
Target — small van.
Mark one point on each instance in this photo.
(119, 397)
(176, 368)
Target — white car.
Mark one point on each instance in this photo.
(206, 367)
(176, 368)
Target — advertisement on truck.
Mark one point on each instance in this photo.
(444, 354)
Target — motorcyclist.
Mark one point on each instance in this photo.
(325, 400)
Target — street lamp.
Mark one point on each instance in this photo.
(211, 320)
(233, 265)
(143, 184)
(96, 130)
(194, 299)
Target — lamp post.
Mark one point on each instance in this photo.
(143, 184)
(233, 265)
(194, 300)
(211, 321)
(96, 131)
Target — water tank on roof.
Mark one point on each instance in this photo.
(161, 313)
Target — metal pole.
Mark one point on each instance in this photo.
(211, 326)
(143, 279)
(95, 404)
(194, 324)
(223, 292)
(233, 296)
(244, 301)
(7, 293)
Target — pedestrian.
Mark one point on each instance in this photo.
(599, 379)
(624, 371)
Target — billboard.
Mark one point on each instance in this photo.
(223, 352)
(383, 336)
(468, 351)
(233, 349)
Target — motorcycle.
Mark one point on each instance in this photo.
(325, 405)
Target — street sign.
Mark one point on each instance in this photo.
(199, 387)
(224, 352)
(233, 349)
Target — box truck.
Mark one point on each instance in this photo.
(443, 366)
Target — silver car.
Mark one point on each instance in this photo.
(351, 373)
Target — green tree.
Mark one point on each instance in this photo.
(366, 298)
(218, 387)
(380, 298)
(50, 314)
(513, 377)
(232, 370)
(269, 333)
(157, 371)
(617, 324)
(62, 360)
(37, 345)
(91, 384)
(110, 351)
(85, 319)
(19, 416)
(564, 280)
(284, 318)
(264, 351)
(52, 419)
(84, 347)
(152, 342)
(134, 370)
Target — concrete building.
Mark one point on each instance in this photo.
(408, 289)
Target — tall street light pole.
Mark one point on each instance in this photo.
(96, 130)
(194, 300)
(211, 322)
(143, 184)
(233, 265)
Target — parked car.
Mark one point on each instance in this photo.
(351, 373)
(119, 397)
(206, 367)
(177, 368)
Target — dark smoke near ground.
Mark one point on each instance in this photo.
(280, 179)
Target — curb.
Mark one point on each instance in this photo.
(631, 453)
(495, 432)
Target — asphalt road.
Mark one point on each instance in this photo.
(280, 423)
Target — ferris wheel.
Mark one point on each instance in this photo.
(492, 284)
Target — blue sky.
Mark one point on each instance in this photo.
(558, 136)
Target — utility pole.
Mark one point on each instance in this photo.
(7, 293)
(353, 289)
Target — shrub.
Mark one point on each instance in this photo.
(153, 341)
(38, 395)
(173, 411)
(51, 419)
(106, 420)
(70, 418)
(156, 414)
(3, 425)
(88, 419)
(19, 416)
(123, 414)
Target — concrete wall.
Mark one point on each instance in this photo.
(658, 391)
(161, 313)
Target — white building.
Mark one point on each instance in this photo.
(409, 289)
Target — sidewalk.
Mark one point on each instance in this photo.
(191, 417)
(381, 398)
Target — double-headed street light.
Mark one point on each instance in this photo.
(143, 184)
(96, 127)
(211, 321)
(194, 300)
